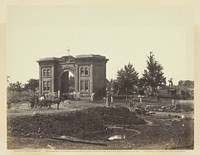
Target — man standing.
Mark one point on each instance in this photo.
(92, 97)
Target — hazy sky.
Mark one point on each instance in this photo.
(121, 33)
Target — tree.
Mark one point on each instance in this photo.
(15, 87)
(32, 84)
(127, 79)
(115, 86)
(11, 87)
(153, 76)
(71, 83)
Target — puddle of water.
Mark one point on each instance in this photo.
(117, 137)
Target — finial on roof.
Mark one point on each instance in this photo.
(68, 50)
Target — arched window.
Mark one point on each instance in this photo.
(48, 72)
(86, 70)
(44, 72)
(82, 70)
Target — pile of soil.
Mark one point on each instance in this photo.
(75, 123)
(81, 123)
(115, 115)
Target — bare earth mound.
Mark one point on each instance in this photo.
(77, 123)
(115, 116)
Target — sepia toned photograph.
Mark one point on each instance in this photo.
(100, 77)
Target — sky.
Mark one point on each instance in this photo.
(121, 33)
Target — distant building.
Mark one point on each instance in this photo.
(186, 89)
(89, 74)
(185, 92)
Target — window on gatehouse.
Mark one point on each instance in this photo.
(48, 85)
(44, 85)
(84, 70)
(84, 85)
(46, 71)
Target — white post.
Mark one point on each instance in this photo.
(107, 102)
(140, 99)
(58, 93)
(111, 100)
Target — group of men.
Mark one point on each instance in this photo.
(45, 101)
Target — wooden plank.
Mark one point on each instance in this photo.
(77, 140)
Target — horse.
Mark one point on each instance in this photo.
(43, 102)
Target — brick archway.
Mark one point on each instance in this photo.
(65, 72)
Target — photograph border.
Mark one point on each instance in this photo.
(3, 73)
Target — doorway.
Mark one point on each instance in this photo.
(67, 85)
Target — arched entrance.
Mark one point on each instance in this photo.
(67, 81)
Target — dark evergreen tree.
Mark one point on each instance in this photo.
(153, 76)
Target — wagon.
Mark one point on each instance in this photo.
(48, 99)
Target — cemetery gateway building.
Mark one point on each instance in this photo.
(89, 74)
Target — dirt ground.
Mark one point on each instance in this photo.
(161, 130)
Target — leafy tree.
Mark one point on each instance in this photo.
(15, 87)
(153, 76)
(115, 87)
(32, 84)
(18, 86)
(127, 79)
(71, 81)
(11, 87)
